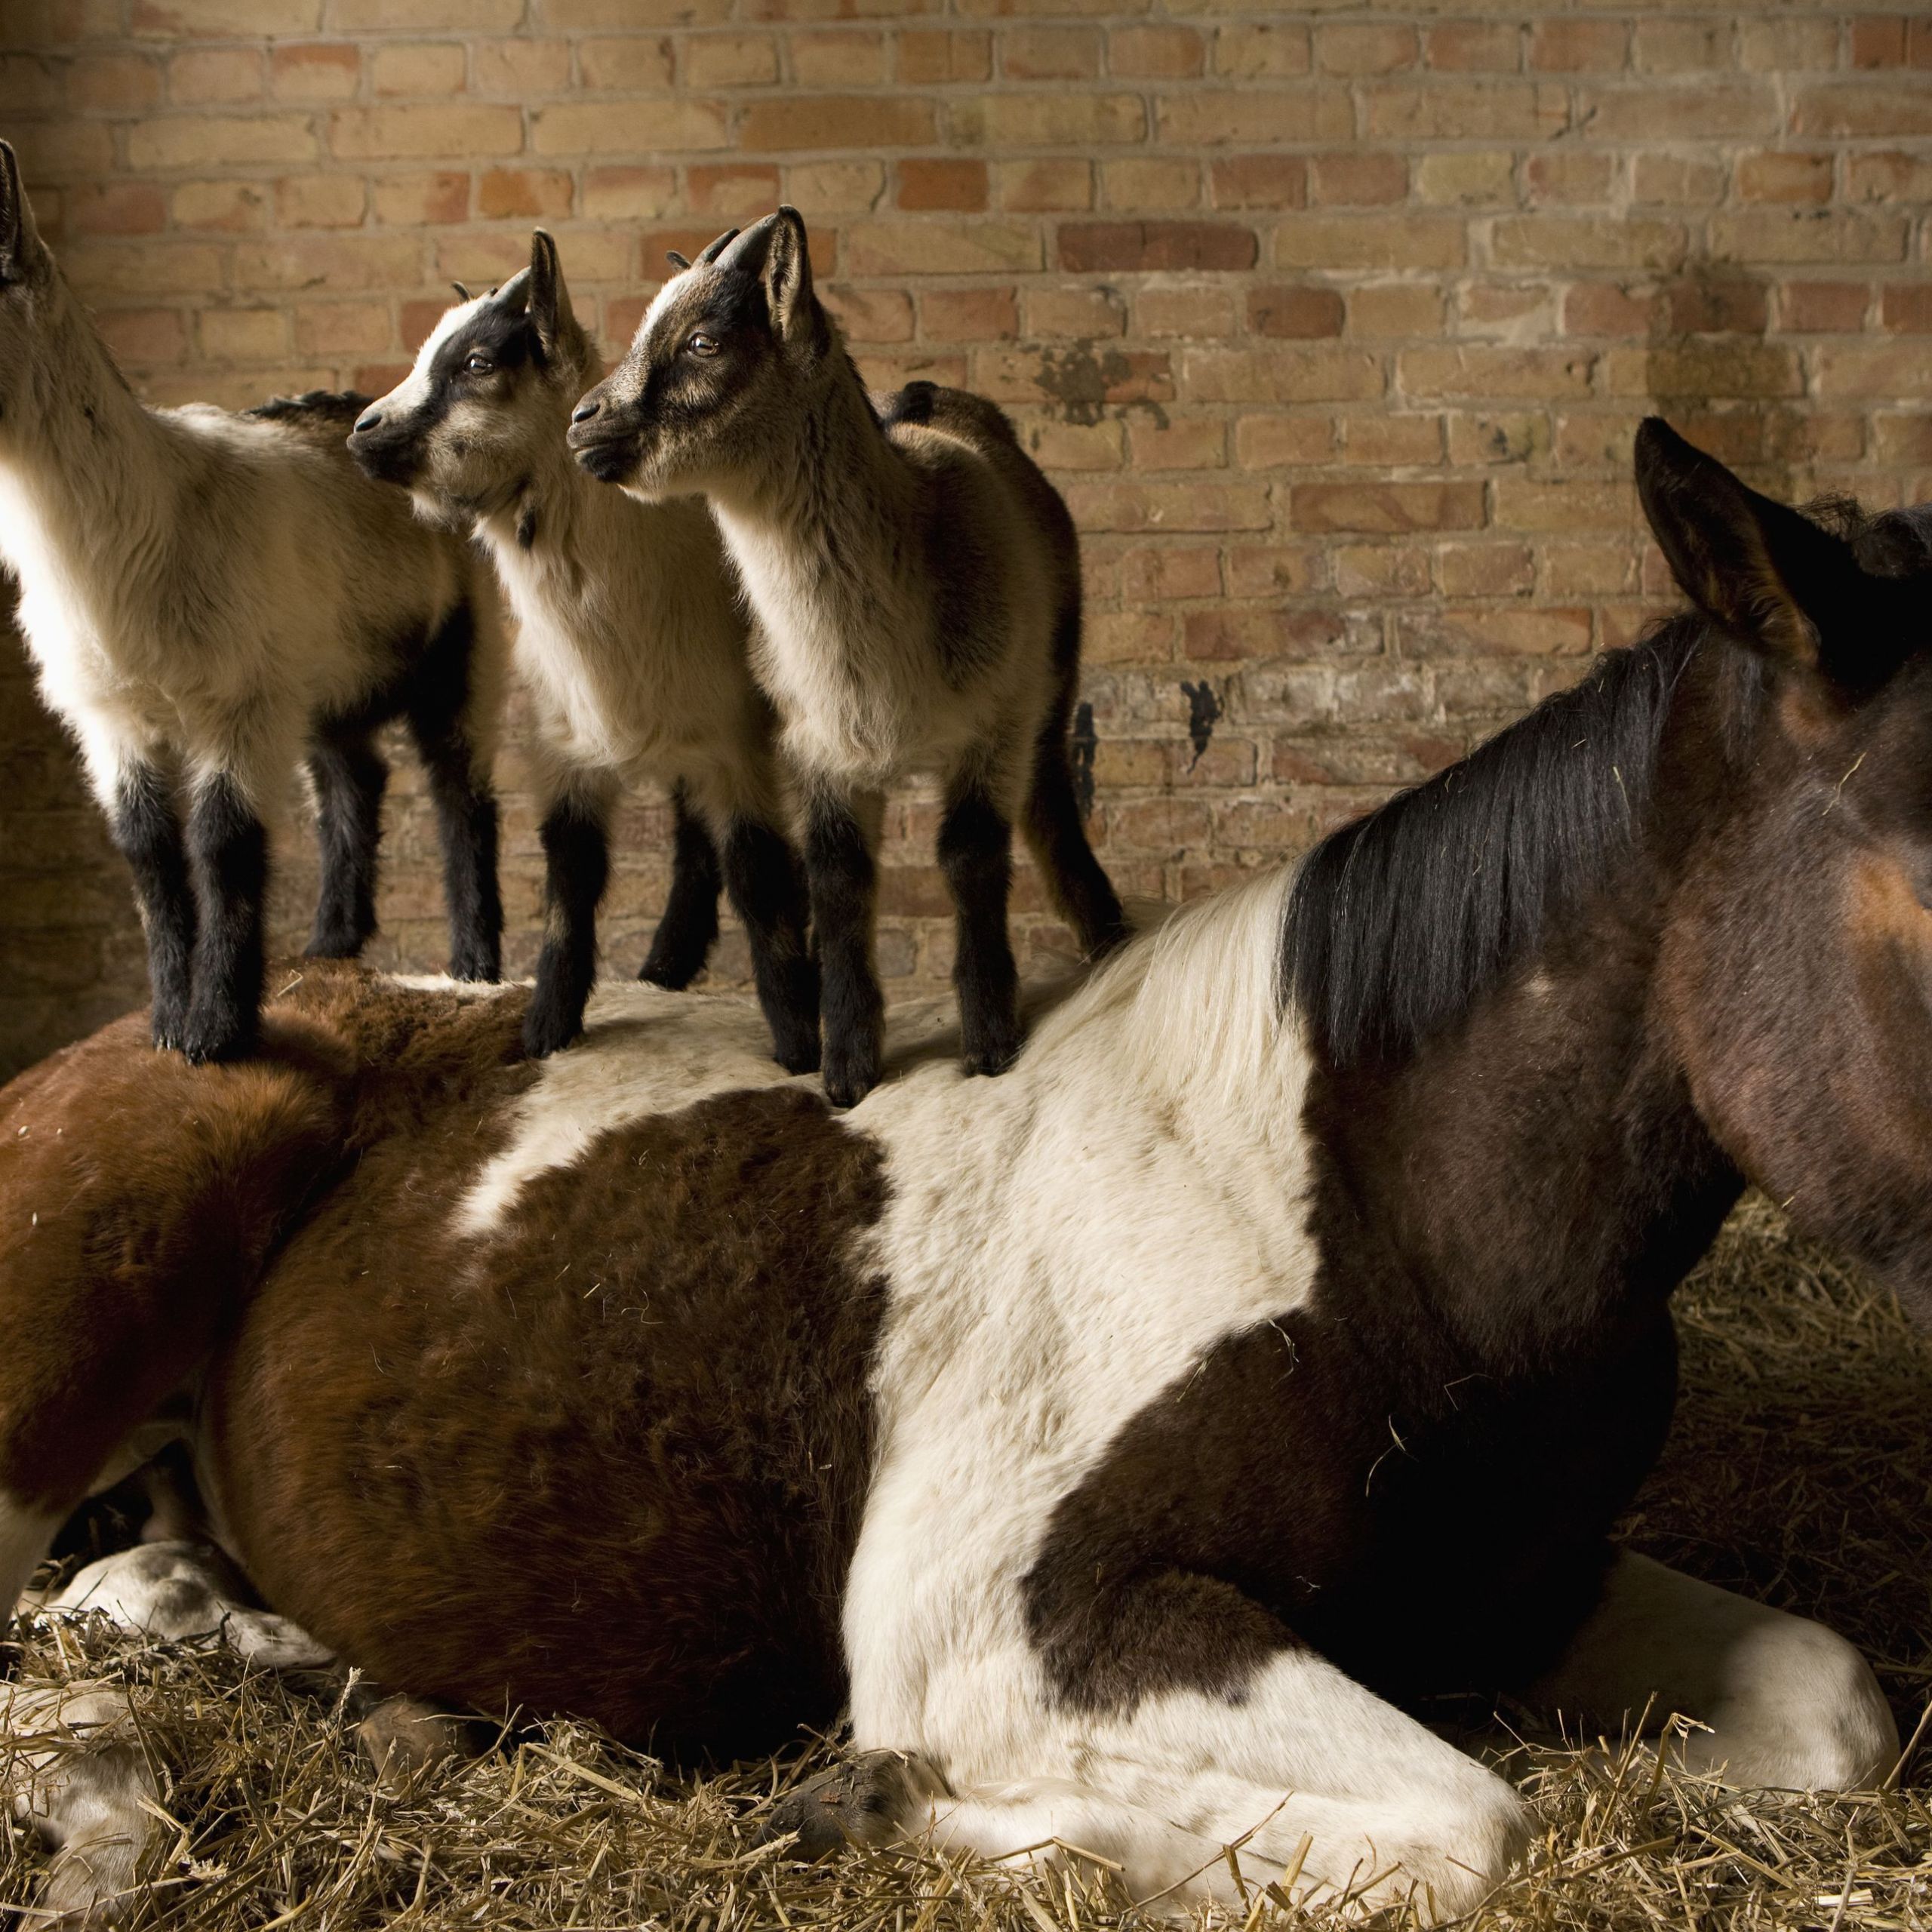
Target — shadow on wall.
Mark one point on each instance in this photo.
(71, 953)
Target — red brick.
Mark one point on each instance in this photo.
(1100, 247)
(531, 193)
(1825, 307)
(1294, 311)
(1717, 305)
(731, 190)
(943, 184)
(1906, 306)
(1492, 47)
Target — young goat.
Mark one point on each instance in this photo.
(632, 639)
(916, 584)
(210, 598)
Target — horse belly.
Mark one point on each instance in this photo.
(607, 1458)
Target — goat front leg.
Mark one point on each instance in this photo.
(842, 879)
(976, 853)
(577, 861)
(767, 888)
(147, 830)
(228, 856)
(688, 929)
(350, 777)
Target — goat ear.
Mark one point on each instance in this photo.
(788, 271)
(680, 262)
(20, 245)
(1770, 577)
(550, 310)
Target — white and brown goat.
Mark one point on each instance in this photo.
(211, 600)
(916, 583)
(632, 639)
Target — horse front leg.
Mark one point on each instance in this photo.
(1778, 1702)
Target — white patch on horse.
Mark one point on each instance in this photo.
(1025, 1329)
(1778, 1701)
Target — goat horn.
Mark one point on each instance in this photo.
(462, 291)
(718, 247)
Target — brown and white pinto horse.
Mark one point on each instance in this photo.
(1128, 1440)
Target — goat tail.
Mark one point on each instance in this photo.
(1054, 826)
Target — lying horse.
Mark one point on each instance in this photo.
(1129, 1442)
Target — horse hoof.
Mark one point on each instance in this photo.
(867, 1800)
(401, 1736)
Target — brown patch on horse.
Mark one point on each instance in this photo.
(609, 1459)
(138, 1196)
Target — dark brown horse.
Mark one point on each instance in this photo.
(1130, 1440)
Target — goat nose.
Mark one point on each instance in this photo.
(369, 419)
(584, 410)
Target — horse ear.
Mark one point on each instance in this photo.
(1772, 578)
(20, 245)
(550, 311)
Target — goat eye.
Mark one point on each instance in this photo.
(702, 345)
(478, 365)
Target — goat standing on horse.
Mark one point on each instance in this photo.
(632, 640)
(916, 583)
(211, 599)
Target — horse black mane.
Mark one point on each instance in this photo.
(1398, 921)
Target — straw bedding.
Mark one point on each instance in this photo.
(1801, 1470)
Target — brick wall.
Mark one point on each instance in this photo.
(1333, 326)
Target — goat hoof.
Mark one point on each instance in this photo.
(333, 945)
(863, 1802)
(847, 1086)
(546, 1032)
(992, 1054)
(799, 1053)
(205, 1042)
(482, 966)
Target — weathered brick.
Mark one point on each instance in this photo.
(1255, 50)
(1862, 109)
(418, 133)
(970, 315)
(1482, 373)
(1272, 442)
(1436, 110)
(1569, 242)
(1775, 174)
(1358, 178)
(1369, 241)
(314, 70)
(956, 248)
(1385, 508)
(531, 194)
(1254, 117)
(1320, 373)
(1044, 187)
(1259, 181)
(826, 121)
(1808, 235)
(1049, 53)
(611, 127)
(714, 60)
(1196, 311)
(847, 59)
(170, 141)
(407, 200)
(630, 194)
(1151, 184)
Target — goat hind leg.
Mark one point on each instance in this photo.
(228, 852)
(350, 777)
(147, 830)
(686, 933)
(466, 824)
(767, 889)
(975, 851)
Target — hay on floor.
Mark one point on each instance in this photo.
(1800, 1470)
